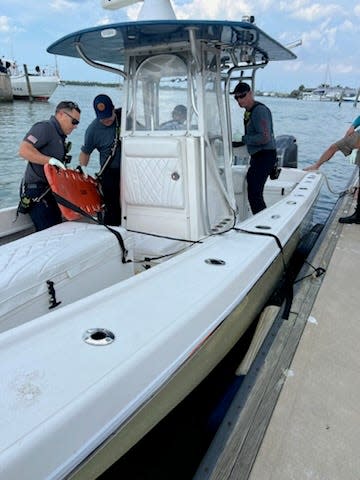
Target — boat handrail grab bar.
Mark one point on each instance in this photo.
(94, 64)
(192, 39)
(227, 92)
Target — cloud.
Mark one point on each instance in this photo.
(357, 10)
(214, 9)
(61, 5)
(104, 21)
(4, 24)
(310, 12)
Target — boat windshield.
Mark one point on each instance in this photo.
(162, 95)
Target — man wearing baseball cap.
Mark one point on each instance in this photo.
(260, 141)
(103, 134)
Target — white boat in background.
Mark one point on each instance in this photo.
(323, 93)
(43, 81)
(331, 94)
(103, 334)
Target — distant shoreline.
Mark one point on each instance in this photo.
(89, 84)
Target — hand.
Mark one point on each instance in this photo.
(82, 169)
(311, 168)
(56, 163)
(350, 131)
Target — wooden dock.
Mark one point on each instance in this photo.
(297, 414)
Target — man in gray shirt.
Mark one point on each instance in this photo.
(260, 141)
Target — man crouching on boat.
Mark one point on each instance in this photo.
(45, 143)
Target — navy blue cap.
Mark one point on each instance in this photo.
(103, 106)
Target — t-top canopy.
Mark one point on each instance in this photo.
(109, 43)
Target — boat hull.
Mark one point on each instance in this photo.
(172, 325)
(189, 375)
(42, 87)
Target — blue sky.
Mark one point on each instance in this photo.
(329, 30)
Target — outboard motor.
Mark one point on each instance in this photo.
(287, 151)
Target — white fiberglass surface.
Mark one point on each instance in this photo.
(51, 379)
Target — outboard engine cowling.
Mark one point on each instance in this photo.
(287, 151)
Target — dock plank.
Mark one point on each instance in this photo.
(235, 447)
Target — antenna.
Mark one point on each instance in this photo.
(151, 9)
(294, 44)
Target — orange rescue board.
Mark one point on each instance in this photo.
(76, 188)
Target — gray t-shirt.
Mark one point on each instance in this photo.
(259, 134)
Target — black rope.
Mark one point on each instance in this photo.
(317, 271)
(267, 234)
(66, 203)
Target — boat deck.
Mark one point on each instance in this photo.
(297, 414)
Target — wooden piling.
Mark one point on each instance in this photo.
(31, 98)
(5, 88)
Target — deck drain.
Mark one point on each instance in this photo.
(215, 261)
(98, 336)
(263, 227)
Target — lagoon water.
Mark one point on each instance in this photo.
(315, 125)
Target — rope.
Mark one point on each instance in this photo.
(340, 194)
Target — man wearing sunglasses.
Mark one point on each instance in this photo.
(44, 143)
(103, 135)
(260, 141)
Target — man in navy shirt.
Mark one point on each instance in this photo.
(45, 143)
(103, 134)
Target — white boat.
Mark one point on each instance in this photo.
(42, 81)
(142, 322)
(323, 93)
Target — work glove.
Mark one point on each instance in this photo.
(56, 163)
(82, 169)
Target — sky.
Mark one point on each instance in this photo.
(329, 31)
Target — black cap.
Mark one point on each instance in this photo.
(241, 88)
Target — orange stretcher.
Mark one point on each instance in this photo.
(73, 186)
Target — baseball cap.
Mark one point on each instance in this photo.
(240, 88)
(103, 106)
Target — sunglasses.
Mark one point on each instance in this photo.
(74, 121)
(241, 95)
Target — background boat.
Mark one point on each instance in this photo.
(42, 81)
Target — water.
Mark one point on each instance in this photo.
(314, 124)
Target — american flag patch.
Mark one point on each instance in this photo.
(32, 139)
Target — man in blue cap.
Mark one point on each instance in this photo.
(103, 134)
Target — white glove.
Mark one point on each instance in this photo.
(56, 163)
(82, 169)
